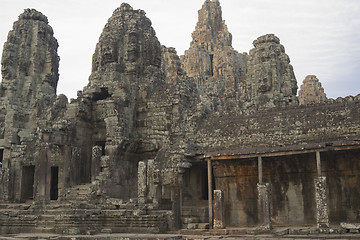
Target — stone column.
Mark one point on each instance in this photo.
(264, 198)
(322, 216)
(264, 214)
(150, 179)
(176, 198)
(95, 161)
(44, 173)
(157, 188)
(142, 182)
(210, 191)
(219, 216)
(260, 170)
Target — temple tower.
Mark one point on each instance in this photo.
(270, 80)
(218, 70)
(311, 91)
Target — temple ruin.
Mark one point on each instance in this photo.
(211, 140)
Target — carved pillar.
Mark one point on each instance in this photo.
(95, 161)
(176, 198)
(210, 190)
(219, 216)
(322, 215)
(157, 188)
(150, 179)
(44, 175)
(264, 199)
(142, 182)
(260, 170)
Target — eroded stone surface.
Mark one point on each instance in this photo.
(29, 68)
(129, 153)
(311, 91)
(218, 70)
(270, 79)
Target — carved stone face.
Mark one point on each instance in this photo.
(109, 53)
(264, 78)
(265, 84)
(132, 47)
(6, 72)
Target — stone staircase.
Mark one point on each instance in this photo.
(76, 214)
(195, 217)
(16, 216)
(79, 193)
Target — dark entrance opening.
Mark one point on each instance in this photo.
(1, 158)
(54, 189)
(211, 65)
(27, 183)
(103, 94)
(102, 145)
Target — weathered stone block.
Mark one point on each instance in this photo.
(264, 198)
(219, 209)
(142, 182)
(322, 216)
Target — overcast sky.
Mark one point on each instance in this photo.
(321, 37)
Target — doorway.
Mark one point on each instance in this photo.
(27, 183)
(54, 188)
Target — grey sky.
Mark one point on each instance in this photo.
(321, 37)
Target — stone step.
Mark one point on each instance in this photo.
(41, 229)
(58, 206)
(15, 206)
(191, 220)
(203, 226)
(190, 226)
(195, 225)
(46, 217)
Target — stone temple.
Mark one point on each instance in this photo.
(214, 140)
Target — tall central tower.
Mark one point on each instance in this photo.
(216, 67)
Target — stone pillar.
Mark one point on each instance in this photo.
(264, 214)
(150, 179)
(142, 182)
(157, 188)
(322, 216)
(95, 162)
(176, 198)
(210, 191)
(44, 173)
(260, 170)
(318, 164)
(219, 216)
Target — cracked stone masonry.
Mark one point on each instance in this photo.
(146, 143)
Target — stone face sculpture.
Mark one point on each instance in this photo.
(152, 133)
(127, 46)
(29, 68)
(31, 51)
(311, 91)
(270, 79)
(218, 70)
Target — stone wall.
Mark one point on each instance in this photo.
(341, 170)
(291, 180)
(281, 127)
(144, 106)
